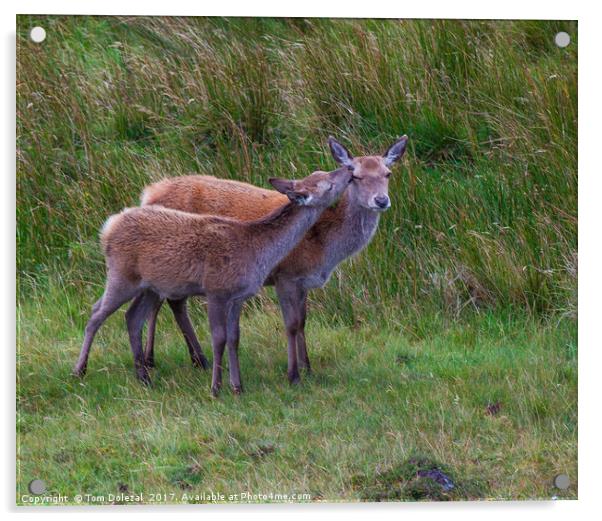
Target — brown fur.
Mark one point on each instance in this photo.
(140, 243)
(210, 195)
(203, 194)
(348, 226)
(154, 253)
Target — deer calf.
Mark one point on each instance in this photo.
(340, 232)
(155, 253)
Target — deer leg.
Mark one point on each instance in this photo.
(217, 312)
(149, 351)
(94, 322)
(180, 313)
(116, 294)
(301, 346)
(232, 338)
(135, 318)
(287, 293)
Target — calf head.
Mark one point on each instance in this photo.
(320, 189)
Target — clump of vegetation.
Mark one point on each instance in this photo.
(261, 449)
(418, 478)
(184, 477)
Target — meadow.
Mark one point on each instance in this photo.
(450, 343)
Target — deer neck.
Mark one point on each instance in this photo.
(352, 228)
(279, 232)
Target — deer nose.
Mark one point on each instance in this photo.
(382, 201)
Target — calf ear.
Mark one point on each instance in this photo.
(340, 153)
(300, 197)
(287, 188)
(282, 185)
(396, 150)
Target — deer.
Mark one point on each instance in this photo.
(154, 253)
(340, 233)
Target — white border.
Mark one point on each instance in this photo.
(589, 237)
(509, 9)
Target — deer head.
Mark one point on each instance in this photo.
(369, 185)
(320, 189)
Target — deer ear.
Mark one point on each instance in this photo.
(300, 197)
(396, 150)
(282, 185)
(340, 153)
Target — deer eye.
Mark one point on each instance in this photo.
(330, 187)
(355, 177)
(388, 174)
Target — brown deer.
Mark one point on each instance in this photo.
(155, 253)
(340, 233)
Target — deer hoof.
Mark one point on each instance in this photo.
(144, 378)
(201, 363)
(294, 380)
(78, 372)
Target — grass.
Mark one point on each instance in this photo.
(448, 345)
(377, 400)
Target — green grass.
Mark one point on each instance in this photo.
(377, 400)
(466, 297)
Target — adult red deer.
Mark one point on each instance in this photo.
(155, 253)
(340, 233)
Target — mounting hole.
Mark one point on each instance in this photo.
(37, 487)
(37, 34)
(562, 39)
(562, 481)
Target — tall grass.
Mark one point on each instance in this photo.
(484, 205)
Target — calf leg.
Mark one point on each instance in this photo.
(116, 294)
(232, 338)
(94, 322)
(135, 317)
(194, 348)
(149, 351)
(217, 312)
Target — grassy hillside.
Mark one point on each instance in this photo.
(484, 206)
(466, 298)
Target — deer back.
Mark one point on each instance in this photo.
(203, 194)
